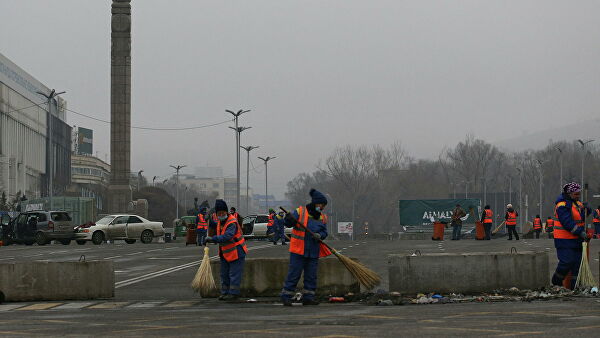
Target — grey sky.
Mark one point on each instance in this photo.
(316, 74)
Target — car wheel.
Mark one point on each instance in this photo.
(130, 241)
(29, 242)
(98, 237)
(65, 241)
(81, 242)
(147, 237)
(40, 238)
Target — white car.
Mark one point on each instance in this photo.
(256, 226)
(125, 227)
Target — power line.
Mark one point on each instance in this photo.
(16, 110)
(152, 128)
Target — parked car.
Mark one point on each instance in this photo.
(41, 227)
(120, 227)
(256, 226)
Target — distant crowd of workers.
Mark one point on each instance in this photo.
(309, 227)
(567, 226)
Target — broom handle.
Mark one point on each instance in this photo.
(498, 227)
(310, 231)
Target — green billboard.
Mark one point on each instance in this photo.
(424, 212)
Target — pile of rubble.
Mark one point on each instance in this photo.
(513, 294)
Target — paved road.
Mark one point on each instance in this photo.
(153, 298)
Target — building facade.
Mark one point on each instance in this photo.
(90, 178)
(24, 135)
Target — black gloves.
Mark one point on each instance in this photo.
(317, 236)
(584, 236)
(208, 239)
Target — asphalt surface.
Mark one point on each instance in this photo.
(153, 298)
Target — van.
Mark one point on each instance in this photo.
(41, 227)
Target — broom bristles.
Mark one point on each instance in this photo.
(365, 276)
(585, 278)
(203, 282)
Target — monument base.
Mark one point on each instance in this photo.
(119, 199)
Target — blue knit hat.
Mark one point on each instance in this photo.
(317, 197)
(220, 205)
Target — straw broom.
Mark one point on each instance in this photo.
(585, 279)
(498, 228)
(365, 276)
(203, 282)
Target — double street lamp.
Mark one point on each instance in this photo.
(583, 143)
(266, 160)
(238, 131)
(49, 97)
(248, 149)
(177, 169)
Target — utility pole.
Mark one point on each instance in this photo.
(520, 196)
(237, 148)
(561, 168)
(50, 97)
(266, 160)
(139, 179)
(154, 179)
(484, 192)
(541, 184)
(177, 169)
(583, 143)
(248, 149)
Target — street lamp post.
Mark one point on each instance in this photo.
(248, 149)
(266, 160)
(236, 116)
(139, 176)
(177, 169)
(583, 143)
(541, 184)
(561, 167)
(49, 97)
(154, 179)
(520, 196)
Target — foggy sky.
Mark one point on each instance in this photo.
(316, 74)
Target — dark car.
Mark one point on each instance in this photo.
(41, 227)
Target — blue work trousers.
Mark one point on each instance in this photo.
(279, 234)
(597, 229)
(298, 264)
(231, 275)
(201, 237)
(569, 260)
(456, 231)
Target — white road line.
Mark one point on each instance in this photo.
(134, 253)
(4, 259)
(144, 305)
(171, 270)
(73, 306)
(164, 258)
(8, 307)
(113, 257)
(83, 249)
(154, 250)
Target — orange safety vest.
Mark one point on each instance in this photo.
(202, 223)
(512, 218)
(549, 223)
(488, 216)
(559, 231)
(597, 218)
(537, 223)
(271, 221)
(236, 215)
(299, 230)
(229, 249)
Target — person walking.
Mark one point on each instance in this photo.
(550, 226)
(235, 214)
(232, 251)
(569, 233)
(270, 224)
(596, 222)
(457, 214)
(537, 226)
(201, 227)
(279, 225)
(487, 220)
(511, 222)
(305, 248)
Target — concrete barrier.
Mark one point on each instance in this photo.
(30, 281)
(264, 277)
(467, 273)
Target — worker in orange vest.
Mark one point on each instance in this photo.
(270, 225)
(537, 226)
(305, 248)
(569, 233)
(596, 222)
(201, 227)
(549, 226)
(232, 252)
(487, 220)
(511, 222)
(235, 214)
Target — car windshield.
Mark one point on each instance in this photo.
(105, 220)
(248, 219)
(262, 219)
(60, 217)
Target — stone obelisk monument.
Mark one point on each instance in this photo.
(119, 189)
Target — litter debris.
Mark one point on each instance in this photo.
(336, 299)
(251, 300)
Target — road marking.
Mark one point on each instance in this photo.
(180, 303)
(83, 249)
(8, 307)
(74, 306)
(4, 259)
(39, 306)
(144, 305)
(134, 253)
(113, 257)
(109, 305)
(154, 250)
(164, 258)
(173, 269)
